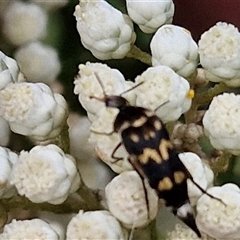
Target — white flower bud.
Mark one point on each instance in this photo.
(38, 62)
(126, 200)
(150, 15)
(162, 86)
(45, 174)
(221, 123)
(105, 144)
(219, 50)
(95, 225)
(201, 173)
(174, 47)
(216, 219)
(95, 174)
(104, 30)
(28, 229)
(7, 160)
(51, 5)
(33, 110)
(87, 85)
(24, 22)
(4, 133)
(182, 232)
(9, 71)
(58, 222)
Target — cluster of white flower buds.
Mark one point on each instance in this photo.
(29, 229)
(95, 225)
(160, 83)
(25, 26)
(165, 90)
(47, 175)
(29, 109)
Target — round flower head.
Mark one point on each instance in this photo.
(219, 50)
(173, 46)
(105, 144)
(104, 30)
(182, 232)
(38, 62)
(220, 220)
(221, 122)
(33, 110)
(28, 229)
(95, 225)
(87, 86)
(150, 15)
(201, 173)
(126, 200)
(24, 22)
(165, 91)
(9, 71)
(7, 159)
(45, 174)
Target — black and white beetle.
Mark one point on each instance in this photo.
(152, 155)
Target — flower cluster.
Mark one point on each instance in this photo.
(45, 174)
(220, 219)
(95, 224)
(159, 82)
(173, 46)
(219, 54)
(149, 17)
(33, 110)
(29, 229)
(116, 41)
(220, 122)
(25, 25)
(126, 200)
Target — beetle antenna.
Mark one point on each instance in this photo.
(100, 83)
(130, 89)
(161, 105)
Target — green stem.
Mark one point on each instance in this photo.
(3, 216)
(138, 54)
(220, 164)
(88, 200)
(206, 97)
(90, 197)
(147, 233)
(203, 98)
(62, 140)
(69, 206)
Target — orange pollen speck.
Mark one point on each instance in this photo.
(190, 94)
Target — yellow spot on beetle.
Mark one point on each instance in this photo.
(149, 134)
(163, 148)
(165, 184)
(157, 124)
(148, 154)
(139, 122)
(134, 137)
(149, 113)
(179, 176)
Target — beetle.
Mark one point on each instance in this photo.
(152, 154)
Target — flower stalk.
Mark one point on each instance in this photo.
(140, 55)
(89, 200)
